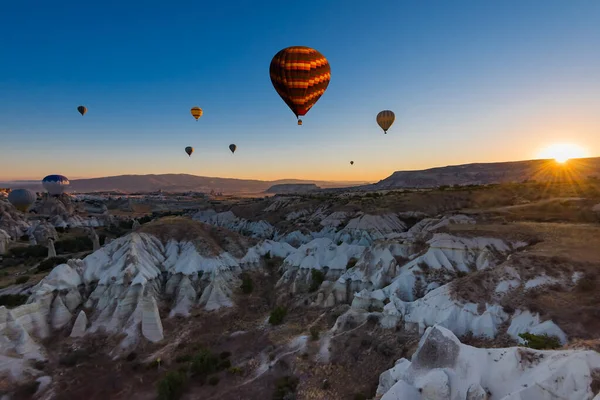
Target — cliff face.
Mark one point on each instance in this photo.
(293, 188)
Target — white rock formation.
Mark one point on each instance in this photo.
(12, 221)
(51, 249)
(80, 325)
(442, 368)
(227, 219)
(41, 231)
(4, 241)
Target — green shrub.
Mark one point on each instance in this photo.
(183, 358)
(235, 370)
(22, 279)
(277, 315)
(314, 333)
(50, 263)
(13, 300)
(247, 285)
(171, 387)
(204, 363)
(284, 387)
(540, 342)
(36, 251)
(213, 380)
(72, 358)
(73, 245)
(224, 364)
(317, 277)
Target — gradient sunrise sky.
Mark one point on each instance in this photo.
(469, 81)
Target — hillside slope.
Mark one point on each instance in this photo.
(486, 173)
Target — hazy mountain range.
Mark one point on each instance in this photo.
(466, 174)
(176, 183)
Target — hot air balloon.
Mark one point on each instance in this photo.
(300, 75)
(22, 199)
(55, 184)
(196, 112)
(232, 147)
(189, 150)
(385, 119)
(351, 162)
(82, 110)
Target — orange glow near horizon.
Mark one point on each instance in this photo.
(562, 152)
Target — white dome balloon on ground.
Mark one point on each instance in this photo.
(55, 184)
(22, 199)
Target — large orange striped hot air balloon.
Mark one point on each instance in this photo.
(385, 119)
(196, 112)
(300, 75)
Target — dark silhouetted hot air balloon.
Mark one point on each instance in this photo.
(196, 112)
(232, 147)
(385, 119)
(22, 199)
(351, 162)
(189, 150)
(300, 75)
(55, 184)
(82, 110)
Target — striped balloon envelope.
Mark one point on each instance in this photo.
(300, 75)
(385, 119)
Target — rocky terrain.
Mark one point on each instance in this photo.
(482, 292)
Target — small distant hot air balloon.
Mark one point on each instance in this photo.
(22, 199)
(55, 185)
(385, 119)
(351, 162)
(82, 110)
(196, 112)
(232, 147)
(300, 75)
(189, 150)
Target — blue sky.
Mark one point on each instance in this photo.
(469, 81)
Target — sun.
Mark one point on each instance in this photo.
(562, 152)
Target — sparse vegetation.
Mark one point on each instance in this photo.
(172, 386)
(314, 333)
(277, 315)
(540, 342)
(235, 370)
(36, 251)
(317, 278)
(247, 285)
(73, 245)
(72, 358)
(213, 380)
(50, 263)
(13, 300)
(285, 387)
(22, 279)
(204, 363)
